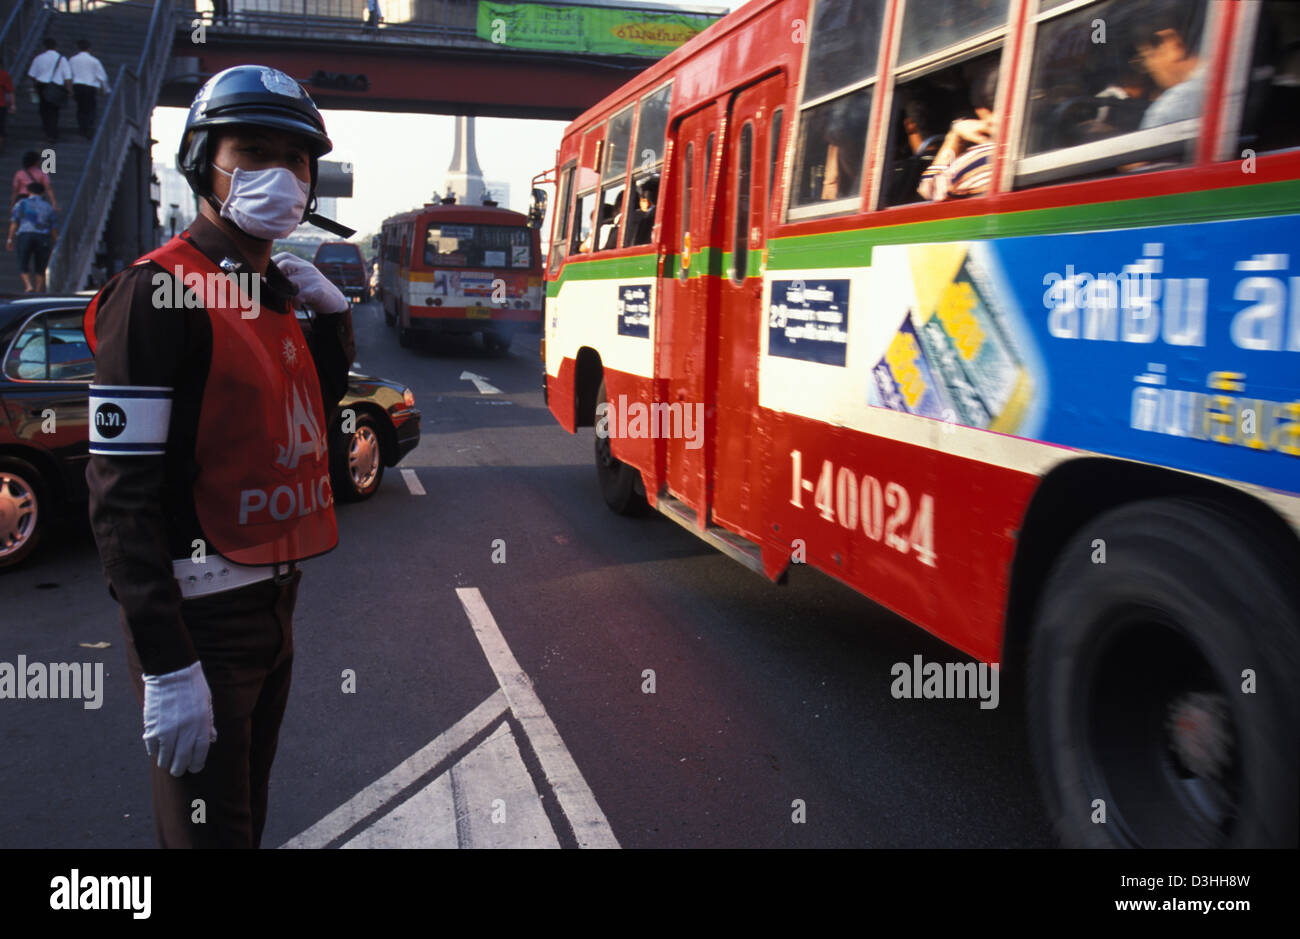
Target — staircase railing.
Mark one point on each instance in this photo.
(20, 35)
(126, 118)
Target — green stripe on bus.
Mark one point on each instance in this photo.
(853, 248)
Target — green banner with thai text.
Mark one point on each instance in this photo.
(599, 30)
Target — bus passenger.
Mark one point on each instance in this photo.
(609, 230)
(845, 134)
(647, 195)
(1166, 48)
(964, 164)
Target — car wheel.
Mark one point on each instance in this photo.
(497, 342)
(1163, 706)
(389, 318)
(357, 463)
(404, 337)
(620, 485)
(22, 516)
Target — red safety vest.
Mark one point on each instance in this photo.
(263, 491)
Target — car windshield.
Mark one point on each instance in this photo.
(338, 254)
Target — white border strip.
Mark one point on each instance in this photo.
(576, 800)
(387, 787)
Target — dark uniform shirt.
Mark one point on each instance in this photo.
(142, 507)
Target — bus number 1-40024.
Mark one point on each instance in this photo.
(841, 497)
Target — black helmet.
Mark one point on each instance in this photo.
(250, 95)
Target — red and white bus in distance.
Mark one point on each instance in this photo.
(448, 268)
(989, 309)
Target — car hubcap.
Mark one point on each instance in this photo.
(17, 513)
(363, 458)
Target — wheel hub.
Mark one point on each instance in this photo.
(363, 457)
(17, 513)
(1200, 733)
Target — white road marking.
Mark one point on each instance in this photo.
(575, 798)
(487, 800)
(413, 482)
(480, 383)
(372, 798)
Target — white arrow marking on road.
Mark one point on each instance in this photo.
(458, 808)
(590, 826)
(480, 383)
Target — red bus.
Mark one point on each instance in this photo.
(989, 309)
(448, 268)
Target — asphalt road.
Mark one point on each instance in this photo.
(770, 702)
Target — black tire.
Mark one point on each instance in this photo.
(1137, 692)
(389, 318)
(621, 485)
(357, 461)
(23, 510)
(497, 342)
(404, 337)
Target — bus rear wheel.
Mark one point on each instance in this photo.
(620, 485)
(1163, 707)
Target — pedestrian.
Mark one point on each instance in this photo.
(52, 78)
(88, 77)
(31, 172)
(8, 103)
(220, 10)
(36, 225)
(373, 16)
(226, 410)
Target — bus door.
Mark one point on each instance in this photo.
(751, 158)
(687, 336)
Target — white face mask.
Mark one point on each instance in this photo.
(266, 204)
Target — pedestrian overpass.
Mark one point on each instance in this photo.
(487, 58)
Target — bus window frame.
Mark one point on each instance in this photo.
(606, 183)
(599, 133)
(849, 204)
(1001, 40)
(1054, 167)
(740, 230)
(560, 240)
(637, 172)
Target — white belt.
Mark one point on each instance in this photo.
(218, 574)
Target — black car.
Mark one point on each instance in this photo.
(343, 266)
(45, 373)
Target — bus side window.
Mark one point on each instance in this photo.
(563, 212)
(708, 166)
(582, 221)
(1130, 104)
(647, 162)
(685, 203)
(613, 176)
(744, 175)
(839, 85)
(775, 133)
(1269, 120)
(941, 142)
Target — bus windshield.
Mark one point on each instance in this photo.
(461, 245)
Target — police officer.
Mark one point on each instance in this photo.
(209, 476)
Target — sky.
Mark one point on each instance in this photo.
(399, 160)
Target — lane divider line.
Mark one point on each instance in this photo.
(413, 482)
(387, 787)
(590, 827)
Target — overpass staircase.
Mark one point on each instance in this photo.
(134, 41)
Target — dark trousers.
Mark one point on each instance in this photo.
(244, 639)
(85, 98)
(49, 116)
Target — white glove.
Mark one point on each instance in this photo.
(315, 292)
(178, 719)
